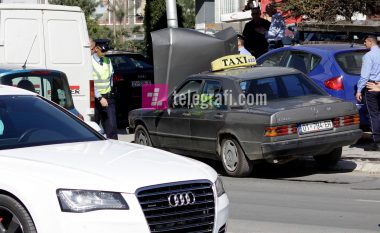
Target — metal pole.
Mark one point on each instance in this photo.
(171, 13)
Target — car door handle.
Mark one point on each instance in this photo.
(186, 114)
(218, 116)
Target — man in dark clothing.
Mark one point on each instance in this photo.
(254, 33)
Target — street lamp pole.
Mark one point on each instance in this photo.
(171, 13)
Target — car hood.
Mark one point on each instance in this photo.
(104, 165)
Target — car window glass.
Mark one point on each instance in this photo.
(212, 95)
(52, 86)
(184, 96)
(44, 124)
(129, 61)
(273, 59)
(298, 60)
(351, 62)
(314, 61)
(280, 87)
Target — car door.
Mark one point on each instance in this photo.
(208, 117)
(173, 126)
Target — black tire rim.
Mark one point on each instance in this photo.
(9, 222)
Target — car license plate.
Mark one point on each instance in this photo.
(140, 83)
(315, 127)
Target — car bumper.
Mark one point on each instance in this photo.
(118, 221)
(309, 146)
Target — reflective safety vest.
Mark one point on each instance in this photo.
(102, 75)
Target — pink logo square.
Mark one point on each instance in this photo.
(155, 96)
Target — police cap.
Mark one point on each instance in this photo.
(103, 44)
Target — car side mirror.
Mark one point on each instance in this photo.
(95, 126)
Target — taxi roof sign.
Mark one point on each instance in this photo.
(233, 61)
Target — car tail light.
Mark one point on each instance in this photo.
(117, 78)
(281, 130)
(335, 83)
(92, 94)
(346, 120)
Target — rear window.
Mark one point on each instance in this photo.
(129, 61)
(281, 87)
(51, 85)
(351, 62)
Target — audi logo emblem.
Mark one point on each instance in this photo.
(181, 199)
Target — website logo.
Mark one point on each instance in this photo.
(155, 96)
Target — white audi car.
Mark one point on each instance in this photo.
(57, 174)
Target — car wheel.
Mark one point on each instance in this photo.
(233, 158)
(142, 136)
(329, 159)
(14, 217)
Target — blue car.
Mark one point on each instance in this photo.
(334, 67)
(51, 84)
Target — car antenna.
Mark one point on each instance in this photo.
(30, 50)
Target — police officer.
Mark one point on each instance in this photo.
(104, 102)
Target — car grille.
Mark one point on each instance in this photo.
(163, 216)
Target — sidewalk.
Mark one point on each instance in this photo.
(354, 157)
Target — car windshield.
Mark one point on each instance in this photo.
(280, 87)
(129, 61)
(31, 121)
(51, 85)
(351, 62)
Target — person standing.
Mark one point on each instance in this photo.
(370, 73)
(254, 33)
(276, 31)
(105, 112)
(241, 47)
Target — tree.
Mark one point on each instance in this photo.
(188, 12)
(324, 10)
(155, 19)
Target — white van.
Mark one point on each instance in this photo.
(51, 37)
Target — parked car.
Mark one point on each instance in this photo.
(51, 84)
(261, 113)
(60, 175)
(334, 67)
(131, 71)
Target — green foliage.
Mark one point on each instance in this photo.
(87, 6)
(155, 19)
(325, 10)
(188, 12)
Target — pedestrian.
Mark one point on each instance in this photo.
(105, 112)
(241, 48)
(254, 33)
(370, 73)
(276, 31)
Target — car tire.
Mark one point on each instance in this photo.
(234, 161)
(330, 159)
(142, 136)
(14, 216)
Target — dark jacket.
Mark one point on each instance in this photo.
(256, 42)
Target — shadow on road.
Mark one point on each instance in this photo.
(293, 169)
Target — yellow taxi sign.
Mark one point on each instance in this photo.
(233, 61)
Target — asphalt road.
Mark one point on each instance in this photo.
(292, 202)
(300, 197)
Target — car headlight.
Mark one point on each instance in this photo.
(219, 187)
(88, 200)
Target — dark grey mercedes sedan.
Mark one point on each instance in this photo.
(241, 115)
